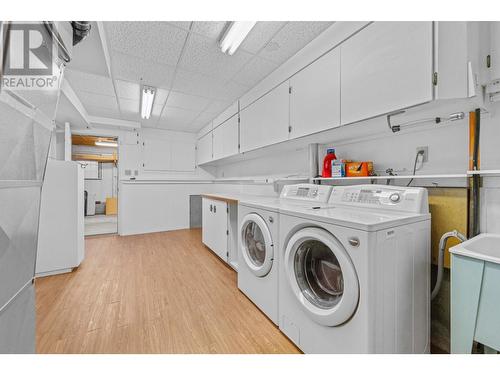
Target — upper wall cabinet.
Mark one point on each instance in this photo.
(315, 96)
(226, 139)
(169, 155)
(204, 149)
(265, 121)
(495, 50)
(386, 66)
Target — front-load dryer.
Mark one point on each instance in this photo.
(354, 277)
(258, 246)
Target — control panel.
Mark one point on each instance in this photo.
(306, 192)
(381, 196)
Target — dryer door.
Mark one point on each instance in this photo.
(256, 244)
(322, 276)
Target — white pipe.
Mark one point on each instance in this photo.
(442, 246)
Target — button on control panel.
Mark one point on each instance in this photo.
(372, 196)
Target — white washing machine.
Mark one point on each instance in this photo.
(354, 277)
(258, 242)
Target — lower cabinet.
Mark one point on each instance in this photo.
(215, 226)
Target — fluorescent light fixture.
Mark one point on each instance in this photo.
(106, 144)
(235, 34)
(148, 97)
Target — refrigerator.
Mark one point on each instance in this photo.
(26, 126)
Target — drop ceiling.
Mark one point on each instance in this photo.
(195, 80)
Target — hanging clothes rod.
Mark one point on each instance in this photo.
(437, 120)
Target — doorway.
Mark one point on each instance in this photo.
(99, 157)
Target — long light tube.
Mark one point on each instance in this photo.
(235, 34)
(106, 144)
(148, 97)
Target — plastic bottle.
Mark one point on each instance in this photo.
(327, 162)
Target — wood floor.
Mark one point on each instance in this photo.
(154, 293)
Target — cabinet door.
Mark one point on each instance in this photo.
(265, 121)
(207, 233)
(204, 149)
(220, 229)
(226, 138)
(495, 50)
(385, 67)
(315, 96)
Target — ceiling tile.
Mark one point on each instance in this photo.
(231, 91)
(152, 122)
(291, 38)
(154, 41)
(178, 115)
(129, 106)
(128, 90)
(102, 112)
(217, 107)
(203, 119)
(89, 99)
(88, 82)
(261, 33)
(196, 83)
(255, 71)
(203, 55)
(132, 69)
(182, 24)
(210, 29)
(157, 108)
(186, 101)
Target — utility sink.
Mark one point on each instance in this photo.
(484, 246)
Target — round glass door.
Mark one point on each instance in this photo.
(256, 244)
(322, 276)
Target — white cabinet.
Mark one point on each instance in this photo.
(204, 149)
(495, 50)
(169, 155)
(215, 229)
(315, 96)
(265, 121)
(226, 139)
(385, 67)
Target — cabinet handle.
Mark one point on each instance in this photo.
(211, 208)
(215, 208)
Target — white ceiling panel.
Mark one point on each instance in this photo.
(210, 29)
(102, 112)
(217, 106)
(88, 55)
(203, 55)
(128, 90)
(154, 41)
(129, 106)
(182, 24)
(291, 38)
(89, 99)
(203, 119)
(261, 33)
(157, 108)
(88, 82)
(178, 115)
(186, 101)
(132, 69)
(255, 71)
(231, 91)
(196, 83)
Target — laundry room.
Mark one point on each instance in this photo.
(298, 184)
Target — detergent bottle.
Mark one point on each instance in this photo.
(327, 162)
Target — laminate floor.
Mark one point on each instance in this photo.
(152, 293)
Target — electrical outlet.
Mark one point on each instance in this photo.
(425, 149)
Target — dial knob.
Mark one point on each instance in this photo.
(395, 197)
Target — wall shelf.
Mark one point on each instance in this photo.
(398, 177)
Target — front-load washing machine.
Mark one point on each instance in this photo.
(354, 276)
(258, 242)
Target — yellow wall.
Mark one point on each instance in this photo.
(448, 207)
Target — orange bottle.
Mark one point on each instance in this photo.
(327, 162)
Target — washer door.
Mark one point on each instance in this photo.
(322, 276)
(256, 244)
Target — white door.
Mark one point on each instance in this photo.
(321, 276)
(256, 245)
(315, 96)
(385, 67)
(226, 139)
(265, 121)
(220, 229)
(204, 149)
